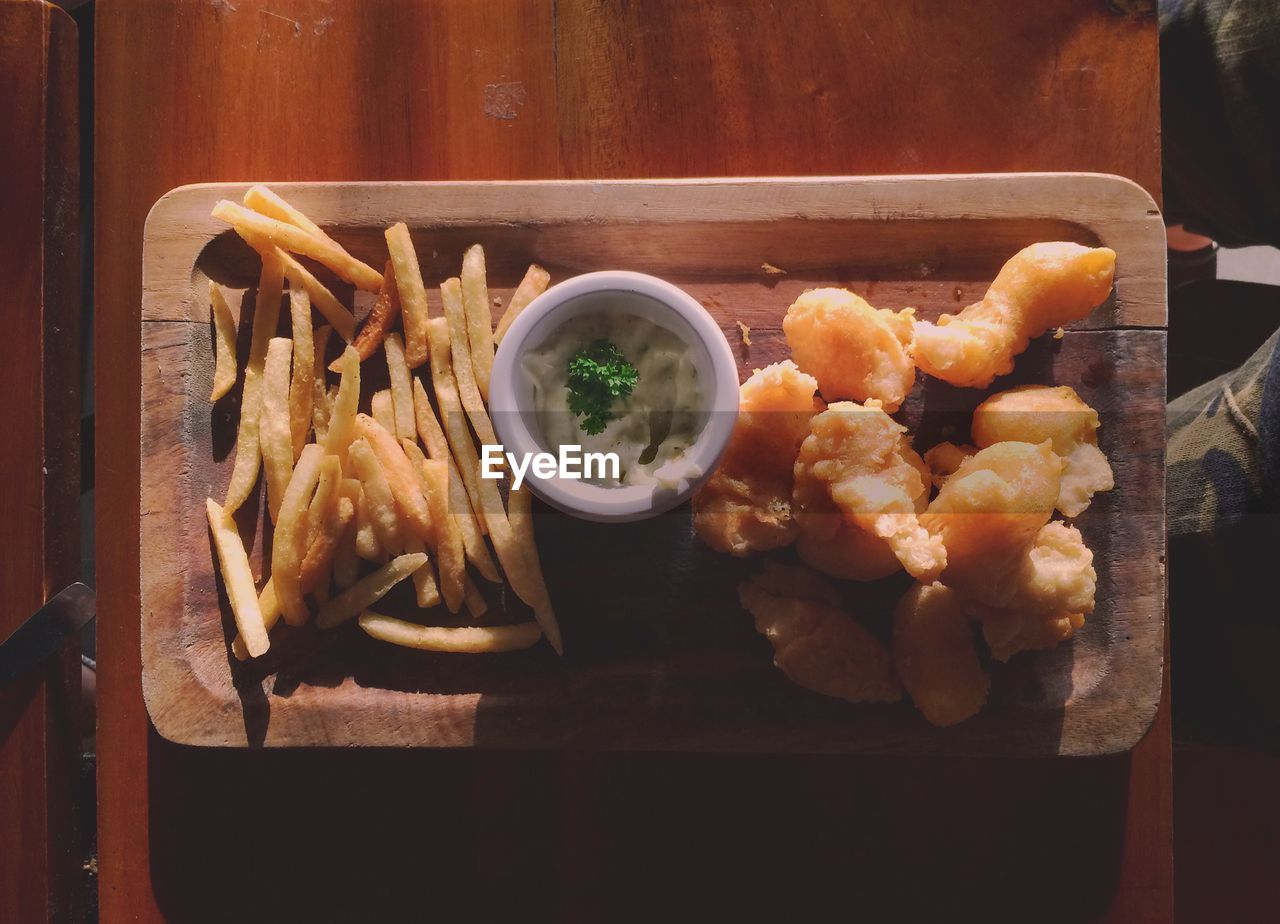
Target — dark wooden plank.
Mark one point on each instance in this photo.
(584, 837)
(39, 457)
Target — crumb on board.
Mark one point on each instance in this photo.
(1059, 334)
(745, 332)
(959, 293)
(497, 301)
(770, 270)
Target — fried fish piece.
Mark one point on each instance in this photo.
(856, 459)
(1034, 413)
(1041, 600)
(1043, 286)
(821, 647)
(935, 656)
(988, 513)
(853, 350)
(944, 459)
(745, 506)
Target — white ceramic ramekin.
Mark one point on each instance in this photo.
(511, 394)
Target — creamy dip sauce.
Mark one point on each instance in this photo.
(652, 427)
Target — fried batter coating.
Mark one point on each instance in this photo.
(1045, 285)
(935, 657)
(831, 544)
(853, 350)
(944, 459)
(989, 511)
(1034, 413)
(822, 648)
(745, 506)
(854, 459)
(1043, 599)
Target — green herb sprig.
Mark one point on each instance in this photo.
(599, 375)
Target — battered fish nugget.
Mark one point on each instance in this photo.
(822, 648)
(854, 456)
(745, 506)
(1041, 601)
(944, 459)
(935, 656)
(1045, 285)
(853, 350)
(1033, 413)
(988, 513)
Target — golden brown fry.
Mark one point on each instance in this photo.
(266, 314)
(521, 518)
(324, 301)
(368, 590)
(531, 286)
(425, 587)
(319, 395)
(383, 314)
(382, 409)
(346, 561)
(292, 238)
(342, 422)
(238, 579)
(428, 426)
(269, 604)
(413, 295)
(448, 537)
(265, 200)
(474, 600)
(934, 655)
(401, 390)
(286, 544)
(321, 552)
(378, 496)
(462, 640)
(224, 343)
(464, 373)
(472, 539)
(328, 489)
(367, 545)
(304, 369)
(463, 493)
(479, 317)
(405, 485)
(277, 442)
(943, 460)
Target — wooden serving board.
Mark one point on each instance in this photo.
(660, 655)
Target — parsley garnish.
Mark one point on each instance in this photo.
(599, 375)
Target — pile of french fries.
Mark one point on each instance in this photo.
(393, 487)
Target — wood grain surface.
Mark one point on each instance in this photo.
(193, 92)
(663, 660)
(39, 455)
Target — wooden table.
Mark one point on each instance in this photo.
(432, 90)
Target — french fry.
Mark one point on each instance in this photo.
(319, 395)
(454, 418)
(383, 314)
(380, 406)
(519, 513)
(378, 497)
(224, 343)
(277, 443)
(413, 295)
(367, 545)
(463, 364)
(461, 640)
(475, 303)
(320, 554)
(459, 509)
(324, 301)
(266, 315)
(474, 600)
(264, 200)
(294, 239)
(405, 485)
(269, 604)
(449, 552)
(328, 489)
(425, 587)
(533, 284)
(238, 579)
(401, 390)
(286, 543)
(304, 368)
(346, 563)
(368, 590)
(342, 421)
(428, 427)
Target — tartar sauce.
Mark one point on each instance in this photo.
(651, 428)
